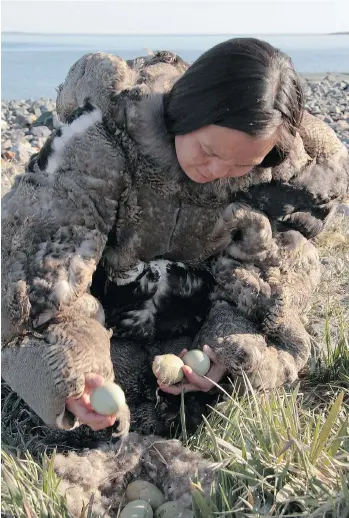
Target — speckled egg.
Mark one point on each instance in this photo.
(168, 368)
(143, 490)
(198, 361)
(137, 509)
(107, 399)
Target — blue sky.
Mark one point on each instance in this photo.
(176, 16)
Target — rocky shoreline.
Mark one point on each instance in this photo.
(26, 124)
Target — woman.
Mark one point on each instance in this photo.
(167, 183)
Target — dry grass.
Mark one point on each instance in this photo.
(331, 301)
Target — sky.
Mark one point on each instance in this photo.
(176, 16)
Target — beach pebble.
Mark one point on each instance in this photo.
(342, 125)
(343, 208)
(6, 144)
(40, 131)
(143, 490)
(18, 135)
(35, 111)
(22, 152)
(24, 119)
(137, 509)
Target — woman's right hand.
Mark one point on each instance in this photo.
(82, 409)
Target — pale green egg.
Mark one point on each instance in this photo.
(172, 510)
(168, 368)
(143, 490)
(137, 509)
(198, 361)
(107, 399)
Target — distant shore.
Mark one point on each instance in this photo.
(16, 33)
(321, 76)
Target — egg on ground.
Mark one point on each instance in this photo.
(143, 490)
(137, 509)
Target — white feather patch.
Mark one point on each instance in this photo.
(77, 127)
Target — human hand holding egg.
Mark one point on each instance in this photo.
(100, 405)
(194, 381)
(82, 409)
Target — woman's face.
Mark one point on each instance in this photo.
(215, 152)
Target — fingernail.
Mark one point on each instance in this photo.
(206, 348)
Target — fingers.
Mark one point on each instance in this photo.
(183, 353)
(210, 353)
(195, 383)
(87, 416)
(198, 381)
(83, 410)
(176, 390)
(93, 381)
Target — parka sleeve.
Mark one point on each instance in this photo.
(308, 186)
(55, 224)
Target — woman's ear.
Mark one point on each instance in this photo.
(274, 158)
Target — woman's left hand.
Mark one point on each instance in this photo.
(193, 382)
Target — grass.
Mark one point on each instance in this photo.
(276, 456)
(279, 454)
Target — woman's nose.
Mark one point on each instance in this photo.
(218, 169)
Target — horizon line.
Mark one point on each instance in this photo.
(175, 33)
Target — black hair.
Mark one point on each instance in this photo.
(244, 84)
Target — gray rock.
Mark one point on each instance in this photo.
(34, 108)
(22, 152)
(24, 119)
(6, 144)
(47, 107)
(335, 110)
(17, 135)
(14, 105)
(342, 125)
(343, 208)
(40, 131)
(328, 119)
